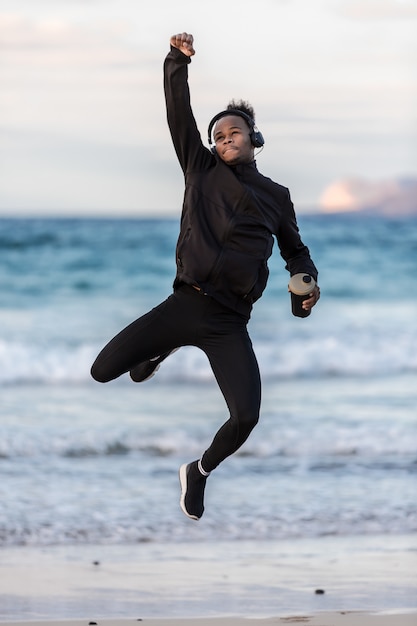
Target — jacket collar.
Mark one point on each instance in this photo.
(243, 168)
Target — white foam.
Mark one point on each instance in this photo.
(331, 350)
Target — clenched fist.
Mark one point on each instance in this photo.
(184, 43)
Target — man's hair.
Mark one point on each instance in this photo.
(242, 105)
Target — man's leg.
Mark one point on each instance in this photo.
(152, 335)
(236, 370)
(172, 324)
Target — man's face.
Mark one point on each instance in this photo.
(231, 137)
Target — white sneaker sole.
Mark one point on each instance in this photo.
(183, 482)
(153, 373)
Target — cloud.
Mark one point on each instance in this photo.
(79, 106)
(389, 197)
(22, 35)
(82, 95)
(64, 78)
(379, 9)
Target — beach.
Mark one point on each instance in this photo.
(314, 519)
(343, 618)
(344, 580)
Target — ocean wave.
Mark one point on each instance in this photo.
(283, 448)
(94, 529)
(319, 355)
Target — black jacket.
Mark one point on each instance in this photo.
(230, 213)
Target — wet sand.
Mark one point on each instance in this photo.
(328, 581)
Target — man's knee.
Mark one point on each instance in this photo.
(248, 418)
(99, 374)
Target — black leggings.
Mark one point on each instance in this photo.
(188, 318)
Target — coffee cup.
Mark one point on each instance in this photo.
(300, 286)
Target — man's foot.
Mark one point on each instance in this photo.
(192, 490)
(147, 369)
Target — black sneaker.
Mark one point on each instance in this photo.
(147, 369)
(192, 490)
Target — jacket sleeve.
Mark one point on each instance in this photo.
(293, 251)
(186, 138)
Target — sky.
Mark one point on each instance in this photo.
(82, 120)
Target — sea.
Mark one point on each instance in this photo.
(85, 464)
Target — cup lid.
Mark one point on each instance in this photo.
(301, 284)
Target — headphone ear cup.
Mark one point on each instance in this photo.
(257, 138)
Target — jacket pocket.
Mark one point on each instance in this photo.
(239, 274)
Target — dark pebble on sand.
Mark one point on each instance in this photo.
(319, 592)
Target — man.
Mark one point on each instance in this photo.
(230, 214)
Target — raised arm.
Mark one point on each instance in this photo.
(186, 138)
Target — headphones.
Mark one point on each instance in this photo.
(255, 135)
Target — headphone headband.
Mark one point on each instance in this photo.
(255, 135)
